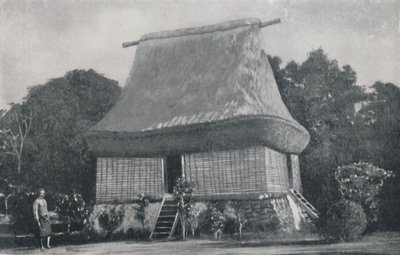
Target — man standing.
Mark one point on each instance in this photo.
(42, 218)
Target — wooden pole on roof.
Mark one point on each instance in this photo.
(270, 23)
(129, 44)
(263, 24)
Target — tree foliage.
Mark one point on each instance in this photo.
(347, 124)
(379, 126)
(56, 154)
(321, 96)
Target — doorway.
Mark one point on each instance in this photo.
(173, 171)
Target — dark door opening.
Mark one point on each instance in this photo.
(290, 171)
(173, 171)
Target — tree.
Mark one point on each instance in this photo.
(321, 96)
(379, 126)
(346, 124)
(56, 155)
(13, 135)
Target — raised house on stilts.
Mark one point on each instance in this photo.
(201, 103)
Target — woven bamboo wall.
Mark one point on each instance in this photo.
(277, 179)
(294, 159)
(255, 169)
(122, 179)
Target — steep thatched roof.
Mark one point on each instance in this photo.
(194, 82)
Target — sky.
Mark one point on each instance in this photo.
(43, 39)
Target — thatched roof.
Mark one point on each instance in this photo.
(196, 89)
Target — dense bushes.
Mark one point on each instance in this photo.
(359, 185)
(20, 209)
(362, 183)
(110, 220)
(73, 208)
(344, 221)
(69, 209)
(259, 217)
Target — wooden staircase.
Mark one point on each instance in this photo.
(305, 205)
(167, 220)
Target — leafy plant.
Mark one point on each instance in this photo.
(217, 222)
(111, 219)
(193, 217)
(21, 212)
(143, 203)
(342, 221)
(72, 207)
(362, 182)
(183, 190)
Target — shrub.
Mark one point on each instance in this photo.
(343, 221)
(209, 218)
(73, 208)
(362, 183)
(217, 221)
(21, 212)
(143, 203)
(111, 219)
(235, 218)
(183, 190)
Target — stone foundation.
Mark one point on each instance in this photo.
(271, 216)
(129, 224)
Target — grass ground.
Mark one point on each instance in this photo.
(378, 243)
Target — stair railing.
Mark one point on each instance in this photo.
(310, 209)
(174, 225)
(158, 215)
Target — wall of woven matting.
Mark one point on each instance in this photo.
(256, 169)
(122, 179)
(295, 167)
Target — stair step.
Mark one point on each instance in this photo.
(161, 233)
(158, 228)
(169, 224)
(169, 211)
(167, 216)
(170, 208)
(169, 202)
(165, 222)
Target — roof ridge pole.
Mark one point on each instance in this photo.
(262, 24)
(270, 23)
(129, 44)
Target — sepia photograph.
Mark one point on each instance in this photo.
(200, 127)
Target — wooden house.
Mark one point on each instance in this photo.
(200, 103)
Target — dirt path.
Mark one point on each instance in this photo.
(373, 245)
